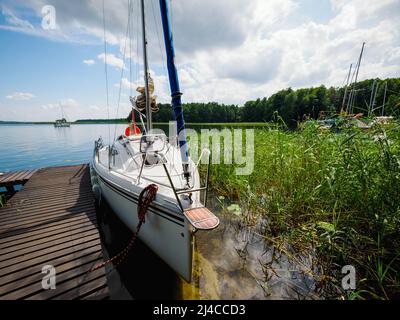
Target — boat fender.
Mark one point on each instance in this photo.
(96, 191)
(94, 180)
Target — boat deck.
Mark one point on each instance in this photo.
(51, 221)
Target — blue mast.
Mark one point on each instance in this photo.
(174, 84)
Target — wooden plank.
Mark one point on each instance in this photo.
(4, 236)
(47, 258)
(28, 251)
(16, 177)
(17, 225)
(64, 272)
(32, 237)
(70, 223)
(84, 285)
(49, 240)
(30, 173)
(30, 199)
(10, 177)
(52, 220)
(38, 254)
(37, 195)
(47, 211)
(75, 287)
(14, 278)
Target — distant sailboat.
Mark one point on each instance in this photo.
(63, 121)
(136, 160)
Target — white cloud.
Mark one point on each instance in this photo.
(89, 62)
(305, 54)
(94, 107)
(126, 84)
(232, 50)
(112, 60)
(12, 19)
(18, 96)
(66, 103)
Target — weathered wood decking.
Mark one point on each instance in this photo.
(8, 180)
(51, 221)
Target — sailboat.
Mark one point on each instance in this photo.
(122, 170)
(60, 123)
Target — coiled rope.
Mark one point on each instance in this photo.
(145, 198)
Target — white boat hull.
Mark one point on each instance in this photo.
(166, 230)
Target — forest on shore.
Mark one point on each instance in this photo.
(296, 105)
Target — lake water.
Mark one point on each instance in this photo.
(36, 146)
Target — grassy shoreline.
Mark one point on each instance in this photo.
(337, 195)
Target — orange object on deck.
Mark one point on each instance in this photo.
(132, 130)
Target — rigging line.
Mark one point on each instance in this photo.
(122, 69)
(159, 42)
(106, 73)
(137, 43)
(130, 57)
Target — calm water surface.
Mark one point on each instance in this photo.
(37, 146)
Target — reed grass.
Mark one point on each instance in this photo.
(337, 194)
(2, 200)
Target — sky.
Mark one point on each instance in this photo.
(228, 51)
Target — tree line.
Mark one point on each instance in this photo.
(296, 105)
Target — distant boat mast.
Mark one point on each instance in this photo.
(345, 89)
(350, 105)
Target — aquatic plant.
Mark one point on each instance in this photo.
(2, 200)
(335, 193)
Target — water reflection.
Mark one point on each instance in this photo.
(231, 262)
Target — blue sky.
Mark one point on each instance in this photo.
(227, 51)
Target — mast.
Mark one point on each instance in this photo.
(146, 70)
(372, 94)
(384, 99)
(174, 86)
(355, 80)
(373, 101)
(345, 89)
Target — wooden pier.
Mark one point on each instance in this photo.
(51, 221)
(9, 180)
